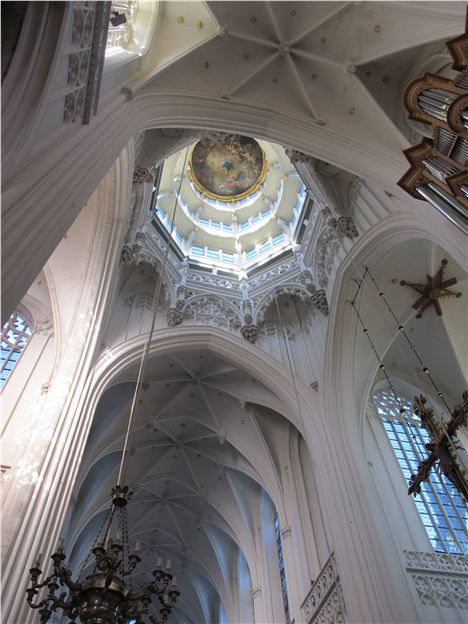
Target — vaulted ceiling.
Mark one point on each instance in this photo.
(334, 64)
(199, 466)
(249, 231)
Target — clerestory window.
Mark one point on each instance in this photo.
(440, 505)
(15, 335)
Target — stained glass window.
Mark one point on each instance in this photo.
(15, 335)
(279, 547)
(440, 505)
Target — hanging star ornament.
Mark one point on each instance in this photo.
(431, 292)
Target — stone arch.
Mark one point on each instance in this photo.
(294, 289)
(224, 302)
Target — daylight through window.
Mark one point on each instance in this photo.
(15, 335)
(440, 505)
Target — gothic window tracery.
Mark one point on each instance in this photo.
(440, 506)
(15, 335)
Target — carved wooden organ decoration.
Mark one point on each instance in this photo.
(438, 171)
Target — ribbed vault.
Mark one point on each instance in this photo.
(199, 466)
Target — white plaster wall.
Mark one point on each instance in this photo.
(82, 292)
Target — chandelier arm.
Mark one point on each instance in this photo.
(152, 619)
(66, 579)
(43, 584)
(136, 614)
(127, 571)
(38, 605)
(63, 604)
(140, 595)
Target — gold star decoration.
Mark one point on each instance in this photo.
(434, 289)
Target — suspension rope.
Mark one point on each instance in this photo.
(146, 348)
(283, 332)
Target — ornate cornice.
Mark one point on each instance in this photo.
(197, 297)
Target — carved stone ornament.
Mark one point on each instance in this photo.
(344, 226)
(286, 532)
(319, 300)
(127, 93)
(126, 256)
(298, 290)
(212, 310)
(256, 592)
(85, 60)
(327, 249)
(299, 157)
(329, 243)
(248, 320)
(440, 579)
(250, 333)
(137, 254)
(174, 317)
(324, 604)
(142, 175)
(275, 330)
(275, 274)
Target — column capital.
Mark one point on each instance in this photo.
(256, 591)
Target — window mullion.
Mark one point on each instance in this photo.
(440, 503)
(434, 508)
(423, 498)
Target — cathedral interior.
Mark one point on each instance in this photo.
(235, 281)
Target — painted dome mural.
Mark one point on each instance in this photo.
(229, 169)
(234, 232)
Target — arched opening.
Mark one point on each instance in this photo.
(204, 464)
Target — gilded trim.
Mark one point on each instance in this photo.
(227, 198)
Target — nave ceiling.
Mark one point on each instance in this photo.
(205, 461)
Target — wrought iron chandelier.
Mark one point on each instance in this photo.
(106, 596)
(103, 597)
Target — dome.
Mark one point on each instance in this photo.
(240, 202)
(228, 169)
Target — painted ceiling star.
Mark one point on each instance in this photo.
(434, 289)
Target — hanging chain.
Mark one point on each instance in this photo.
(107, 518)
(418, 357)
(410, 344)
(382, 367)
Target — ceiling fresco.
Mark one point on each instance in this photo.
(231, 168)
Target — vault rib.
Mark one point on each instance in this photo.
(301, 87)
(276, 28)
(336, 9)
(253, 73)
(253, 39)
(310, 56)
